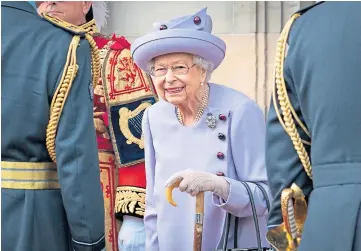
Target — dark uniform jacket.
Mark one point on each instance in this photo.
(322, 72)
(46, 207)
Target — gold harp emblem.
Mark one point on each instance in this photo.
(134, 118)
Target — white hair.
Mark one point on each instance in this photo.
(205, 65)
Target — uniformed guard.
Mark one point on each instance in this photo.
(51, 198)
(119, 100)
(313, 135)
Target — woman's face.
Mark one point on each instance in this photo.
(177, 79)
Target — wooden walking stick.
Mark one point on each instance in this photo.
(198, 226)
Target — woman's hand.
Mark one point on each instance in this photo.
(193, 182)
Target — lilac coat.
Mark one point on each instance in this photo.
(171, 147)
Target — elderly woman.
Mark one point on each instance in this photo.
(207, 135)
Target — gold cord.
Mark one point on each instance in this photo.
(68, 76)
(60, 96)
(288, 122)
(95, 60)
(89, 27)
(62, 92)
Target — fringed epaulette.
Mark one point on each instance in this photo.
(68, 76)
(76, 30)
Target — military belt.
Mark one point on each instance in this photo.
(336, 174)
(29, 175)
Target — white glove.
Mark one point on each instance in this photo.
(132, 234)
(194, 182)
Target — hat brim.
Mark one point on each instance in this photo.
(200, 43)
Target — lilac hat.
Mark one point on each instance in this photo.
(189, 34)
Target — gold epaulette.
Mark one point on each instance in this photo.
(69, 73)
(76, 30)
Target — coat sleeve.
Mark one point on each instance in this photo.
(78, 163)
(247, 147)
(283, 164)
(150, 216)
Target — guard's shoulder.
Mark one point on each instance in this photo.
(305, 9)
(293, 21)
(65, 25)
